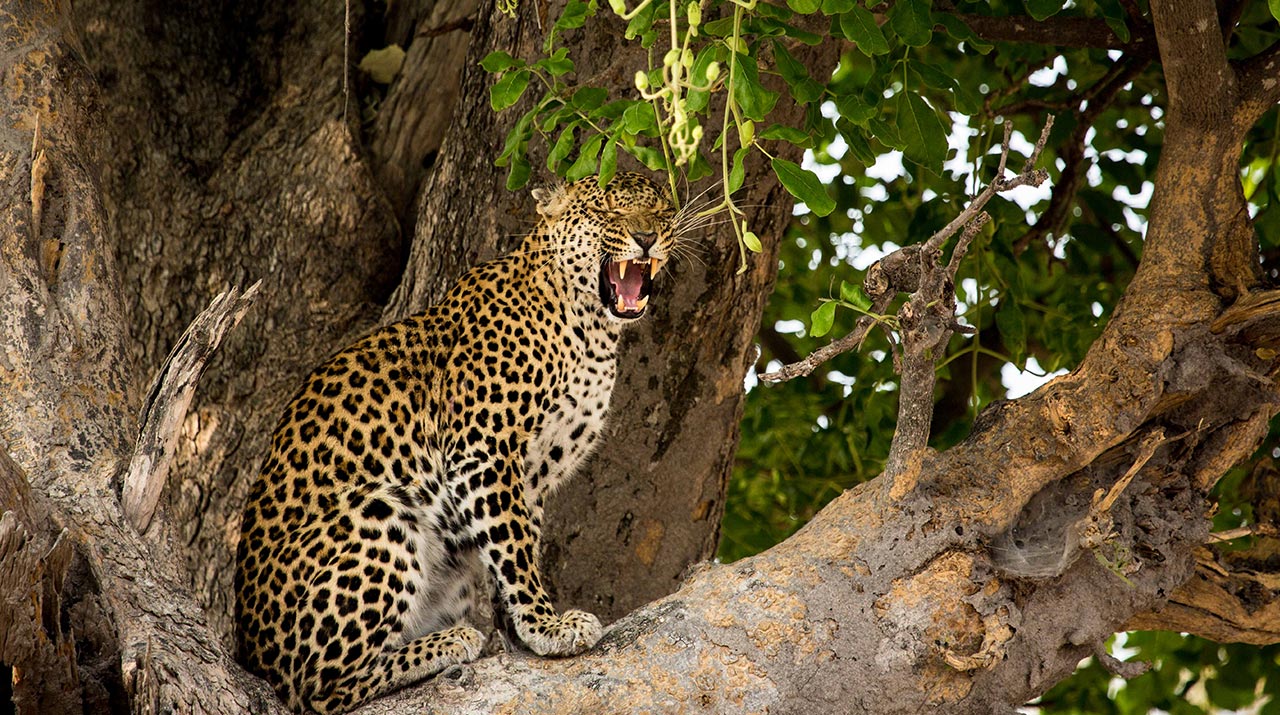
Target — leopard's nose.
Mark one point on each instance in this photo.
(645, 238)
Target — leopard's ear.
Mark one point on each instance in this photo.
(552, 200)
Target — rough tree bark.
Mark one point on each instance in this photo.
(153, 155)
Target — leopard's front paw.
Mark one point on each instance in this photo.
(567, 634)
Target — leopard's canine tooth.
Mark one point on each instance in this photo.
(622, 269)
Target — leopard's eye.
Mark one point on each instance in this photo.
(608, 212)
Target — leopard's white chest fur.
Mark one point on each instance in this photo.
(572, 426)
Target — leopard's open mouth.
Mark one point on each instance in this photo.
(625, 286)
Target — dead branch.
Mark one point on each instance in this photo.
(166, 405)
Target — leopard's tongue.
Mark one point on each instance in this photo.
(628, 283)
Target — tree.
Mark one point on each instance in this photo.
(158, 160)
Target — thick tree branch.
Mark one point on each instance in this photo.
(1259, 81)
(1202, 87)
(1056, 31)
(166, 404)
(927, 322)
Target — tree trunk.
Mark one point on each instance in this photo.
(155, 155)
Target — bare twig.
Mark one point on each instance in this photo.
(166, 405)
(1240, 532)
(852, 341)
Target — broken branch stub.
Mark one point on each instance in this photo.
(167, 401)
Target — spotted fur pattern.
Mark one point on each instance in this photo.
(416, 460)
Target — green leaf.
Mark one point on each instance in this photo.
(518, 139)
(804, 7)
(1274, 6)
(717, 28)
(698, 168)
(1042, 9)
(613, 110)
(804, 186)
(499, 61)
(640, 119)
(804, 89)
(642, 26)
(822, 319)
(932, 76)
(1013, 328)
(753, 99)
(854, 295)
(557, 64)
(518, 174)
(925, 141)
(887, 133)
(647, 155)
(835, 7)
(960, 31)
(560, 150)
(554, 114)
(911, 20)
(585, 164)
(787, 134)
(793, 32)
(752, 242)
(858, 146)
(773, 12)
(608, 161)
(853, 108)
(965, 99)
(507, 90)
(697, 100)
(1113, 13)
(575, 14)
(589, 98)
(859, 26)
(738, 173)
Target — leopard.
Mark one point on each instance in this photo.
(409, 473)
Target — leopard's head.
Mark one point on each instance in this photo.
(612, 241)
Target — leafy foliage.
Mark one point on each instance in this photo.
(899, 134)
